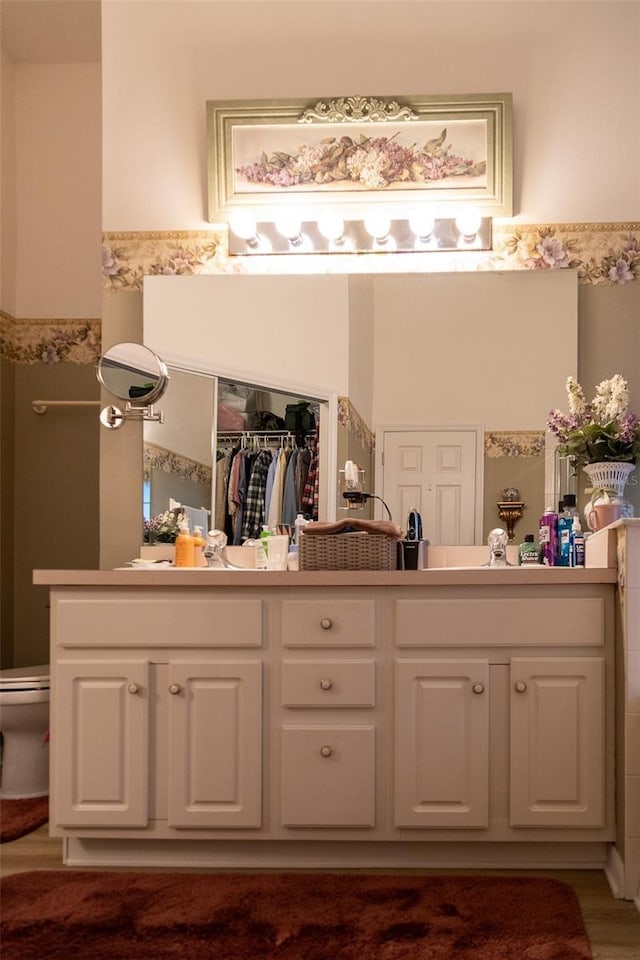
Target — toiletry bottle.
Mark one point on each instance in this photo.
(529, 552)
(198, 548)
(577, 544)
(261, 557)
(565, 526)
(299, 526)
(185, 552)
(549, 537)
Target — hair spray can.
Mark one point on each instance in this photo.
(549, 537)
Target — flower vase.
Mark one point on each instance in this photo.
(610, 476)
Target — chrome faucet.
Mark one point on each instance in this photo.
(497, 541)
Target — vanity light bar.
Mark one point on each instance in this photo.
(392, 236)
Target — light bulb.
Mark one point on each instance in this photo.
(331, 226)
(468, 223)
(288, 224)
(243, 225)
(421, 224)
(377, 225)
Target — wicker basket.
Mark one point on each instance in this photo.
(348, 551)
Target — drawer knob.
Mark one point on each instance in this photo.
(521, 686)
(174, 688)
(326, 623)
(478, 688)
(326, 751)
(133, 688)
(326, 684)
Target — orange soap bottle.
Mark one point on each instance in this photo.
(185, 548)
(198, 546)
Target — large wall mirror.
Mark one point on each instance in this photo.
(488, 349)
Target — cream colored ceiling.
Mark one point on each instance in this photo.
(51, 31)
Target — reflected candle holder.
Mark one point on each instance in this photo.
(510, 511)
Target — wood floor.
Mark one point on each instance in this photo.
(613, 925)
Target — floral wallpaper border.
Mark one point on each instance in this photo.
(49, 341)
(514, 443)
(602, 253)
(350, 419)
(159, 458)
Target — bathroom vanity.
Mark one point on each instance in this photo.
(243, 718)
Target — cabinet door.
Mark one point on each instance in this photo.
(215, 748)
(328, 776)
(441, 743)
(557, 742)
(100, 722)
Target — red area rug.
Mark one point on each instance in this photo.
(18, 817)
(99, 915)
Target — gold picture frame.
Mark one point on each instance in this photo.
(447, 149)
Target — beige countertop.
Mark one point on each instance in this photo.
(168, 577)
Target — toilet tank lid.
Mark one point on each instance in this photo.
(17, 674)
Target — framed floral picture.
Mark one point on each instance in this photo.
(447, 149)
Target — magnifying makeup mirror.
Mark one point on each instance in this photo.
(135, 374)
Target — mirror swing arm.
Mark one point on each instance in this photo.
(113, 417)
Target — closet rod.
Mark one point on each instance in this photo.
(41, 406)
(225, 435)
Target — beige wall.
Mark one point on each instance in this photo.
(576, 141)
(50, 234)
(58, 190)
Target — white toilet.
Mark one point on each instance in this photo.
(24, 725)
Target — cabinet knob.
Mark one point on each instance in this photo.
(521, 686)
(132, 688)
(174, 688)
(326, 623)
(326, 751)
(326, 684)
(478, 687)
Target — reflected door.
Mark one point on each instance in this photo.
(435, 472)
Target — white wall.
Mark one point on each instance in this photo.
(291, 333)
(188, 417)
(573, 69)
(493, 349)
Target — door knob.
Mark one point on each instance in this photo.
(174, 688)
(521, 686)
(478, 687)
(132, 688)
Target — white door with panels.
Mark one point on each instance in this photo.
(437, 471)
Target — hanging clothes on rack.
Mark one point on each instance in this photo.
(254, 513)
(274, 516)
(311, 493)
(290, 499)
(261, 485)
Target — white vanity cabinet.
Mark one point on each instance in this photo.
(466, 726)
(274, 719)
(145, 729)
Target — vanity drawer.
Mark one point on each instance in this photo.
(540, 622)
(123, 619)
(328, 683)
(328, 623)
